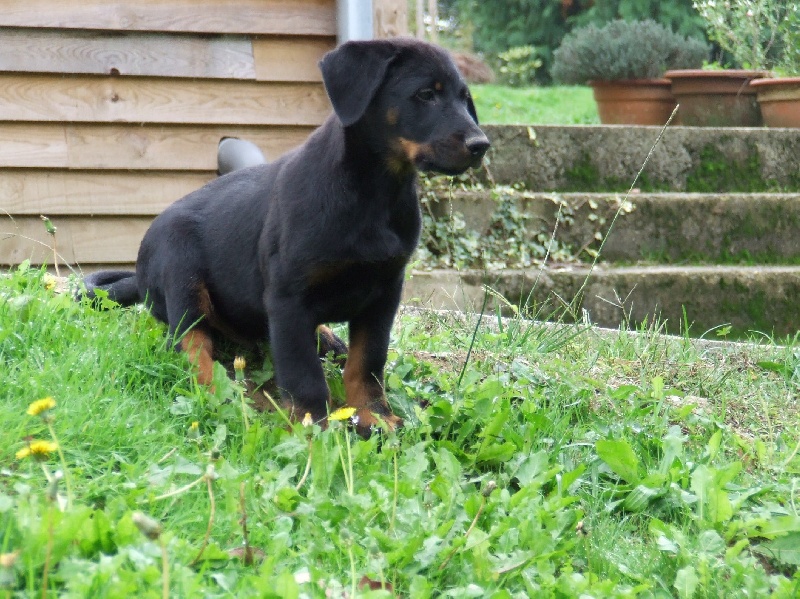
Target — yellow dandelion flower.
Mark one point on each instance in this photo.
(39, 450)
(50, 282)
(239, 363)
(342, 413)
(40, 406)
(307, 420)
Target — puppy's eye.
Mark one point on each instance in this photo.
(426, 95)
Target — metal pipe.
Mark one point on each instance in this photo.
(354, 20)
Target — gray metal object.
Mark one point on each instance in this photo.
(234, 154)
(354, 20)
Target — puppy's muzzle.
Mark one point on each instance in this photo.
(477, 145)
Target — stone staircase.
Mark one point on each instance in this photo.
(709, 240)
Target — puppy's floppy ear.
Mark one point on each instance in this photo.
(352, 73)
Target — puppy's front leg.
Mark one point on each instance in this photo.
(363, 371)
(298, 371)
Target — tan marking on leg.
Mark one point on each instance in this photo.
(199, 347)
(363, 392)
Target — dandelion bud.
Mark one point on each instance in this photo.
(194, 430)
(147, 526)
(8, 578)
(488, 488)
(580, 529)
(239, 365)
(211, 472)
(52, 487)
(48, 225)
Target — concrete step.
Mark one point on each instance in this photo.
(607, 158)
(757, 298)
(661, 227)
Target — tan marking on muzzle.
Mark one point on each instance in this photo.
(392, 115)
(410, 148)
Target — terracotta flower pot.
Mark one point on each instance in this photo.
(779, 99)
(633, 102)
(716, 98)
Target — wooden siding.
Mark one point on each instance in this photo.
(261, 17)
(110, 111)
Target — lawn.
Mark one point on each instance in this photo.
(536, 461)
(558, 105)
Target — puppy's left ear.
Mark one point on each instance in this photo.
(352, 73)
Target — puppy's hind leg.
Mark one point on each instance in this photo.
(198, 346)
(329, 343)
(188, 310)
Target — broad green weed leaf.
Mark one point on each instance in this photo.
(785, 549)
(658, 388)
(620, 458)
(498, 421)
(710, 542)
(496, 453)
(286, 586)
(686, 582)
(781, 525)
(713, 444)
(531, 467)
(719, 506)
(640, 497)
(567, 479)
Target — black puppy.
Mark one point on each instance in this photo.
(323, 234)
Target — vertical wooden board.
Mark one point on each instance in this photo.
(104, 53)
(62, 193)
(301, 17)
(390, 18)
(24, 145)
(290, 59)
(82, 240)
(85, 98)
(178, 147)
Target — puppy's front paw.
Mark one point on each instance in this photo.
(368, 421)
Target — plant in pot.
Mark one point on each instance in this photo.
(779, 96)
(755, 35)
(624, 62)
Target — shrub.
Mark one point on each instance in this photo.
(756, 34)
(624, 50)
(790, 63)
(761, 34)
(518, 66)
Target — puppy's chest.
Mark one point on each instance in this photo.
(340, 290)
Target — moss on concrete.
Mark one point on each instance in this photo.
(716, 173)
(584, 176)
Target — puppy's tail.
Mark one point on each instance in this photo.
(121, 286)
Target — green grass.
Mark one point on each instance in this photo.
(557, 463)
(560, 105)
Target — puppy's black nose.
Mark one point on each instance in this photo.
(477, 145)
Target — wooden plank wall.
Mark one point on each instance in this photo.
(110, 111)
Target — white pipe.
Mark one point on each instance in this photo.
(353, 20)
